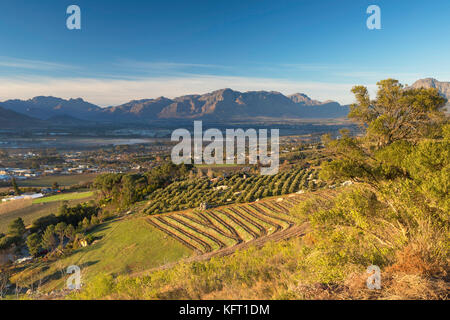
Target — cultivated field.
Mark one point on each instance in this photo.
(223, 230)
(65, 197)
(63, 180)
(237, 188)
(6, 207)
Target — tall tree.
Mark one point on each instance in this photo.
(60, 231)
(394, 122)
(397, 113)
(49, 240)
(17, 228)
(17, 191)
(34, 244)
(70, 232)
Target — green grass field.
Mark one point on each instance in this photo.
(63, 181)
(125, 246)
(65, 197)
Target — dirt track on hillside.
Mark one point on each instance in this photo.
(289, 233)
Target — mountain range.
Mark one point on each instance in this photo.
(220, 105)
(225, 104)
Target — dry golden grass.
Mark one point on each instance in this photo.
(415, 286)
(394, 286)
(9, 206)
(411, 260)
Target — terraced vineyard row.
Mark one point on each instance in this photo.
(216, 229)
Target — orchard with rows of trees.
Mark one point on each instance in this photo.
(238, 188)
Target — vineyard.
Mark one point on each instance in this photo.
(206, 231)
(238, 188)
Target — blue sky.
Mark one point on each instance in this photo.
(144, 49)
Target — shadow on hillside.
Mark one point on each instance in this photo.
(99, 228)
(58, 275)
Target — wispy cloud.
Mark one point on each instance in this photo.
(309, 67)
(105, 92)
(362, 74)
(125, 80)
(164, 66)
(378, 75)
(14, 63)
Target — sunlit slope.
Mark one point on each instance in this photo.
(123, 246)
(136, 244)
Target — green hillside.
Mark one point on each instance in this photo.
(123, 246)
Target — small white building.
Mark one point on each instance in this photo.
(24, 197)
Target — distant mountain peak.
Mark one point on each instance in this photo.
(442, 87)
(302, 98)
(302, 95)
(77, 99)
